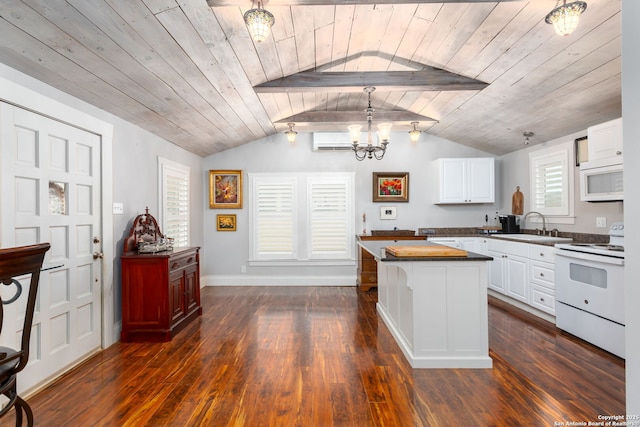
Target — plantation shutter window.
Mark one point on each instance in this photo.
(302, 218)
(550, 183)
(329, 217)
(274, 218)
(174, 200)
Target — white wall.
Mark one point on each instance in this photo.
(514, 168)
(227, 252)
(631, 136)
(135, 171)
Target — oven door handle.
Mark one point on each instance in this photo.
(590, 257)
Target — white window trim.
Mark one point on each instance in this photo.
(565, 152)
(303, 256)
(165, 165)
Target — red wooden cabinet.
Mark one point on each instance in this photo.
(160, 293)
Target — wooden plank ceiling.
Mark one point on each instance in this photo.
(191, 74)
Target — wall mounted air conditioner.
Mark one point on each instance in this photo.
(331, 141)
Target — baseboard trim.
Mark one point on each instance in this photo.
(244, 280)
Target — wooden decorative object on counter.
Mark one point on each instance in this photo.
(161, 290)
(367, 277)
(517, 202)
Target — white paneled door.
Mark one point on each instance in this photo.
(51, 193)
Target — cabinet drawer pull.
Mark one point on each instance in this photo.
(190, 260)
(174, 265)
(541, 274)
(541, 299)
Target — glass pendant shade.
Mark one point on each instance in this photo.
(291, 134)
(384, 132)
(259, 21)
(354, 132)
(565, 18)
(414, 134)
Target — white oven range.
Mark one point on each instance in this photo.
(590, 291)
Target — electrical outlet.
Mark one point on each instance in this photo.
(243, 269)
(601, 222)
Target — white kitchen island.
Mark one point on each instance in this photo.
(435, 307)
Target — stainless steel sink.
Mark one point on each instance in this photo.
(532, 238)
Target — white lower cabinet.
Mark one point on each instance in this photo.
(522, 271)
(509, 271)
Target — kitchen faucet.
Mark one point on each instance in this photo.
(544, 225)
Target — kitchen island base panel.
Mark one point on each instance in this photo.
(437, 312)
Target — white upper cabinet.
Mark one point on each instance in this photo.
(605, 142)
(466, 180)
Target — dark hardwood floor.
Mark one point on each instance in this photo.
(320, 356)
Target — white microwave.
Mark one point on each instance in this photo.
(601, 183)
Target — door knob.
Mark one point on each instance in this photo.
(97, 255)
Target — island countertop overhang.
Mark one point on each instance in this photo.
(377, 249)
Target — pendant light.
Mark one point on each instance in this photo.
(565, 18)
(259, 22)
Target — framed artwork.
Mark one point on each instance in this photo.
(225, 189)
(582, 150)
(388, 212)
(391, 186)
(226, 222)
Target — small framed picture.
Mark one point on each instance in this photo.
(225, 189)
(582, 153)
(391, 186)
(388, 212)
(226, 222)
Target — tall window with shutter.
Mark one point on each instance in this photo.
(302, 217)
(551, 183)
(174, 201)
(273, 217)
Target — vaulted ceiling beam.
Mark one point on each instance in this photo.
(406, 81)
(248, 3)
(354, 117)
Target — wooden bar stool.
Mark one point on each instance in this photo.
(17, 262)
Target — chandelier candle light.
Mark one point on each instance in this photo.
(369, 149)
(565, 18)
(259, 21)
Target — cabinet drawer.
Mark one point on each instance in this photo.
(543, 300)
(543, 274)
(178, 262)
(542, 253)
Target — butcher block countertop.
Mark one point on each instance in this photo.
(418, 250)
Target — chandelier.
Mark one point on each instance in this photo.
(259, 21)
(370, 150)
(565, 18)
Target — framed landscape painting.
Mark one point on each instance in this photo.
(225, 189)
(391, 186)
(226, 222)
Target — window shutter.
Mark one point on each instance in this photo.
(274, 218)
(175, 201)
(329, 217)
(550, 188)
